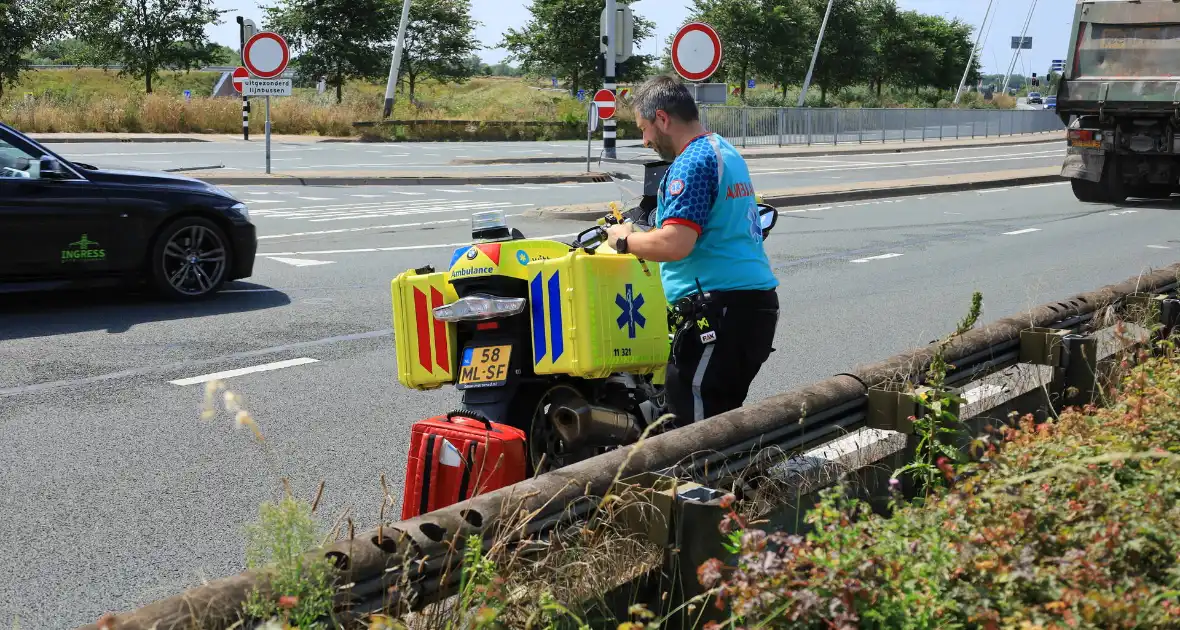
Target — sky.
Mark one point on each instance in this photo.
(1049, 28)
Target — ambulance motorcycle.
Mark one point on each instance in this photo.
(565, 341)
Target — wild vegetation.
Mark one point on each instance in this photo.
(1071, 522)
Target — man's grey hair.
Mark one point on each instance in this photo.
(667, 93)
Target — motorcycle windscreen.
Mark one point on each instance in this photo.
(425, 346)
(596, 314)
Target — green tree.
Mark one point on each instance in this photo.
(741, 26)
(562, 39)
(440, 39)
(845, 47)
(67, 51)
(331, 42)
(23, 26)
(788, 38)
(146, 36)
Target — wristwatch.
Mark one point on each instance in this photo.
(621, 245)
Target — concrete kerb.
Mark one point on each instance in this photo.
(812, 151)
(377, 180)
(871, 190)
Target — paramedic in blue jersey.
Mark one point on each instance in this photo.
(723, 304)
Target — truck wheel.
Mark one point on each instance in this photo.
(1112, 188)
(1086, 191)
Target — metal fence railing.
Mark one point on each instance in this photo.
(408, 564)
(783, 126)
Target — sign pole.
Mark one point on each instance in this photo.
(245, 99)
(268, 135)
(608, 125)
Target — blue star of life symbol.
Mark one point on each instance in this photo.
(630, 306)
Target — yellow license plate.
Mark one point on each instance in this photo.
(1091, 144)
(484, 366)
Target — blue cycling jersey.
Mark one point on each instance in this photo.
(708, 188)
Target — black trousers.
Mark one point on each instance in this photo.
(709, 376)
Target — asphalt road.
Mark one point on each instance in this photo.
(118, 494)
(305, 157)
(769, 173)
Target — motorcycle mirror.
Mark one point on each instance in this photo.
(767, 219)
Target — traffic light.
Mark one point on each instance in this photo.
(1035, 80)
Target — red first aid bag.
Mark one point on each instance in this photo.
(455, 457)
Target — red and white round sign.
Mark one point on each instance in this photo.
(239, 76)
(266, 55)
(605, 100)
(696, 51)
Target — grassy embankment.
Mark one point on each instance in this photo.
(1071, 523)
(92, 100)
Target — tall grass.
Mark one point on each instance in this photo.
(92, 100)
(95, 100)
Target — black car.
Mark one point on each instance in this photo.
(65, 224)
(1035, 97)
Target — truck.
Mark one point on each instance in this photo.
(1119, 98)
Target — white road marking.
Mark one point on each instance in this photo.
(372, 227)
(1045, 185)
(297, 262)
(1115, 214)
(811, 209)
(429, 210)
(402, 192)
(1159, 247)
(452, 190)
(400, 248)
(807, 169)
(265, 367)
(315, 198)
(993, 190)
(264, 201)
(881, 257)
(367, 196)
(1024, 231)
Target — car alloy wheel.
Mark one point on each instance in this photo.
(194, 260)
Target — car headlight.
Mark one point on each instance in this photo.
(479, 307)
(241, 209)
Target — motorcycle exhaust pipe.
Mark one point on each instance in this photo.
(581, 424)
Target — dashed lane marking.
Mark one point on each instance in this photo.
(1024, 231)
(265, 367)
(399, 248)
(881, 257)
(297, 262)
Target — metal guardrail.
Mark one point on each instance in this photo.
(784, 126)
(426, 551)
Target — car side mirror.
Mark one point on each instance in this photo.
(50, 168)
(767, 219)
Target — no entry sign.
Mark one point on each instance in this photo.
(696, 51)
(239, 76)
(605, 100)
(266, 55)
